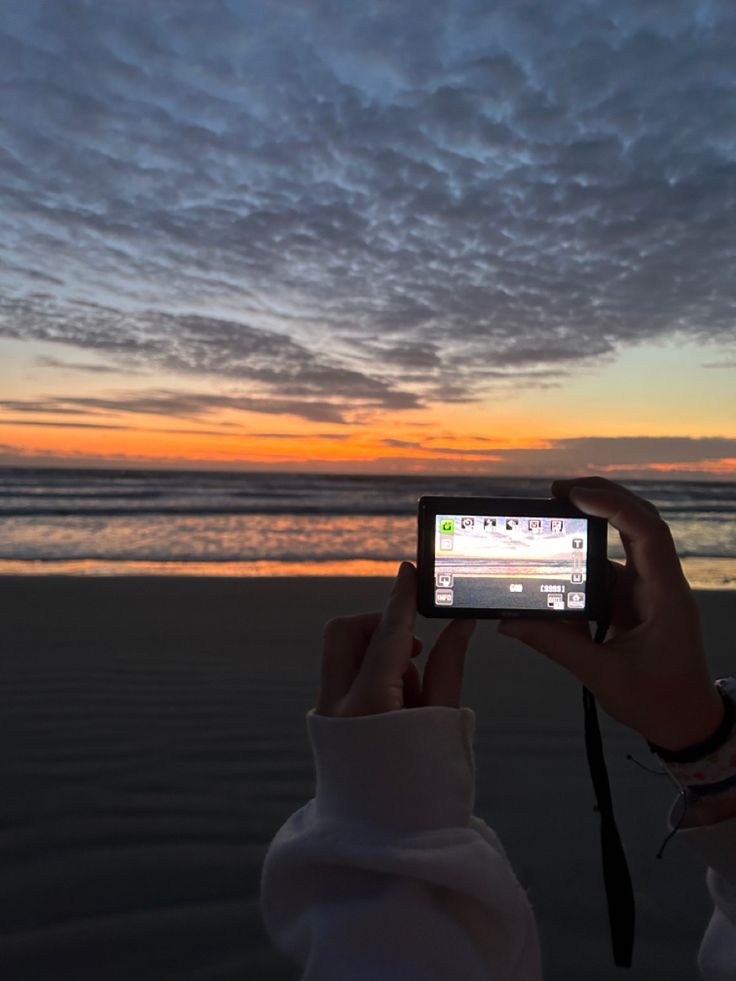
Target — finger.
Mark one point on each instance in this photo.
(400, 610)
(391, 645)
(417, 646)
(568, 643)
(646, 536)
(443, 673)
(625, 613)
(412, 686)
(562, 488)
(345, 641)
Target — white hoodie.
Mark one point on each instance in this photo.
(387, 874)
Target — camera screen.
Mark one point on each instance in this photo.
(510, 562)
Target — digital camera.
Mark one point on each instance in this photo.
(499, 557)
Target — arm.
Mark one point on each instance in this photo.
(386, 874)
(651, 674)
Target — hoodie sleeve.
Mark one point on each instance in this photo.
(387, 874)
(716, 844)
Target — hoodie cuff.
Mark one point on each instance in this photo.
(410, 769)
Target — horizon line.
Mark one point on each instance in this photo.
(685, 476)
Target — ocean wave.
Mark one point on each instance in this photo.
(297, 558)
(380, 510)
(704, 509)
(82, 495)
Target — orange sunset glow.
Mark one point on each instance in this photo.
(610, 418)
(487, 439)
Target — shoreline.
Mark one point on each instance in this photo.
(704, 574)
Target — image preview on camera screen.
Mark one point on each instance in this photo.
(510, 562)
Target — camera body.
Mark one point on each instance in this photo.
(502, 557)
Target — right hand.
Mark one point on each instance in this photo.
(650, 673)
(367, 660)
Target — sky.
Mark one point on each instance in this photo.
(449, 237)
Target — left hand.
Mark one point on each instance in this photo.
(367, 665)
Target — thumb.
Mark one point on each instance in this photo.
(569, 644)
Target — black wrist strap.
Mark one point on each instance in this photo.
(619, 891)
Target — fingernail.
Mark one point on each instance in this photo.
(586, 491)
(579, 494)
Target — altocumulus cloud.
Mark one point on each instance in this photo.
(194, 344)
(294, 194)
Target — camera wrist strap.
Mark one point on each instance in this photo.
(619, 891)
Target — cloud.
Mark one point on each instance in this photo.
(338, 436)
(729, 363)
(401, 444)
(255, 192)
(646, 450)
(55, 424)
(181, 405)
(284, 370)
(92, 367)
(594, 454)
(473, 451)
(60, 425)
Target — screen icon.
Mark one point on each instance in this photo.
(467, 523)
(443, 597)
(447, 526)
(512, 524)
(446, 543)
(489, 524)
(557, 526)
(535, 526)
(576, 577)
(556, 601)
(577, 543)
(445, 579)
(576, 601)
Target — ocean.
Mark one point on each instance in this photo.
(123, 522)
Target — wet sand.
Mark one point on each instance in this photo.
(153, 741)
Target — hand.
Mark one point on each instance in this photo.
(651, 672)
(367, 664)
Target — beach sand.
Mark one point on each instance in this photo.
(153, 741)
